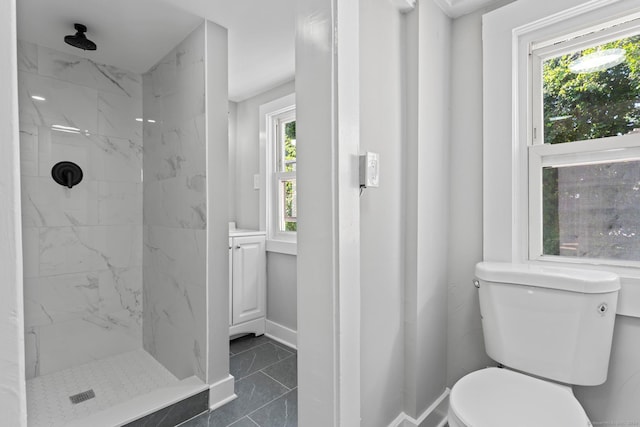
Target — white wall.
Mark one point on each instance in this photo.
(174, 255)
(247, 153)
(428, 48)
(465, 344)
(233, 119)
(614, 401)
(244, 164)
(13, 404)
(218, 189)
(327, 95)
(381, 238)
(82, 246)
(282, 290)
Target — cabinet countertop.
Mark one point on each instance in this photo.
(239, 232)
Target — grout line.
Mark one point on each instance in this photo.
(268, 366)
(250, 348)
(270, 341)
(208, 412)
(266, 404)
(288, 389)
(284, 347)
(253, 421)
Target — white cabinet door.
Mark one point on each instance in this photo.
(249, 278)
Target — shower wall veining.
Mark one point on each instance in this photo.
(175, 209)
(82, 246)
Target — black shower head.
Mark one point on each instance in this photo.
(79, 40)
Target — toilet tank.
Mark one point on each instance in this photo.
(552, 322)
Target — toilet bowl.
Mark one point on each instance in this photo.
(495, 397)
(550, 326)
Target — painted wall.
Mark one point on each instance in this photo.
(82, 246)
(282, 290)
(381, 225)
(465, 343)
(613, 402)
(217, 151)
(616, 401)
(247, 149)
(175, 208)
(233, 119)
(427, 55)
(281, 268)
(13, 402)
(327, 96)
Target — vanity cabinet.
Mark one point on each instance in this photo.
(247, 282)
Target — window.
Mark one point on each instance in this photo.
(278, 196)
(284, 126)
(584, 150)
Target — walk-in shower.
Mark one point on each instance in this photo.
(116, 268)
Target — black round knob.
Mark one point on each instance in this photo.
(67, 174)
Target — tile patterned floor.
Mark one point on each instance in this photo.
(114, 380)
(266, 384)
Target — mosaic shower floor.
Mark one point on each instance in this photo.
(113, 380)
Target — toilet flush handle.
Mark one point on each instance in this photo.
(476, 283)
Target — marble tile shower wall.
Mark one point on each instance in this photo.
(83, 246)
(174, 251)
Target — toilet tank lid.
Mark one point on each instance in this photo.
(566, 279)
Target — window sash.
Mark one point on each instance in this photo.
(539, 52)
(276, 151)
(278, 179)
(279, 138)
(604, 150)
(573, 153)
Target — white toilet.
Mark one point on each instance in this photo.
(550, 328)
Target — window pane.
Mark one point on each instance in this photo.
(287, 148)
(592, 93)
(290, 146)
(288, 205)
(592, 211)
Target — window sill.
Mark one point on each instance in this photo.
(282, 247)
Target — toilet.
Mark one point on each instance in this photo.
(549, 328)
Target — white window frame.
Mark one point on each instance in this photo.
(270, 113)
(540, 155)
(508, 34)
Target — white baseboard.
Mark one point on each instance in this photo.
(434, 416)
(282, 334)
(221, 392)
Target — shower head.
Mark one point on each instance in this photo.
(79, 40)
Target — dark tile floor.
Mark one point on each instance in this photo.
(266, 385)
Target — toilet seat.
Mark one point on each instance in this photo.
(496, 397)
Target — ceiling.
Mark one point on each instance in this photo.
(136, 34)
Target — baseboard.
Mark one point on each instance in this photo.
(221, 392)
(434, 416)
(282, 334)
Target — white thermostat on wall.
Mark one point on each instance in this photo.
(369, 170)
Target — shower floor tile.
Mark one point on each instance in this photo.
(114, 380)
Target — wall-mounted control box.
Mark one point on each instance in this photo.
(369, 170)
